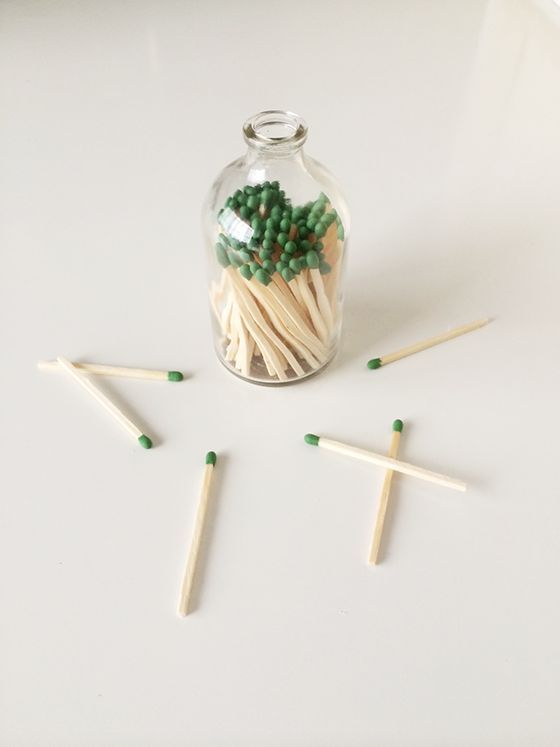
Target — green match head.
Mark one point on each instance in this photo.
(398, 425)
(211, 458)
(145, 442)
(311, 439)
(262, 276)
(174, 376)
(374, 363)
(245, 271)
(222, 255)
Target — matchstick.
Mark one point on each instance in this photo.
(322, 300)
(384, 497)
(386, 462)
(101, 369)
(310, 304)
(106, 403)
(188, 578)
(419, 346)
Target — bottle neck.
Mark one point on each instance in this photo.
(275, 134)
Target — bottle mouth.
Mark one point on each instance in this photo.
(276, 129)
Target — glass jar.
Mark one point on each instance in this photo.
(276, 228)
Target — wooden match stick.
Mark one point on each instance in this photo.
(106, 403)
(430, 342)
(386, 462)
(384, 497)
(101, 369)
(188, 578)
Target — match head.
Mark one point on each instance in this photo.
(398, 425)
(174, 376)
(311, 439)
(374, 363)
(211, 458)
(145, 442)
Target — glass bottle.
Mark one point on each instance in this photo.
(276, 229)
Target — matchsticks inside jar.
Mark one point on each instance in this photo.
(277, 302)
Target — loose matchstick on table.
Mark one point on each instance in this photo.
(384, 497)
(190, 570)
(101, 369)
(106, 403)
(387, 462)
(430, 342)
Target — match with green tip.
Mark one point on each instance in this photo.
(374, 363)
(211, 458)
(145, 442)
(174, 376)
(311, 439)
(398, 425)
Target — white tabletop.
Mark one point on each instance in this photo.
(442, 120)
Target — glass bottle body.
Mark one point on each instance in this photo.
(276, 228)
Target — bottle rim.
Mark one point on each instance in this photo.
(275, 128)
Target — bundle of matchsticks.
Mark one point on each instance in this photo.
(277, 300)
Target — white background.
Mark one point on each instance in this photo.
(442, 121)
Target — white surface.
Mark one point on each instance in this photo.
(442, 120)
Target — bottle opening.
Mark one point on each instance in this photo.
(275, 128)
